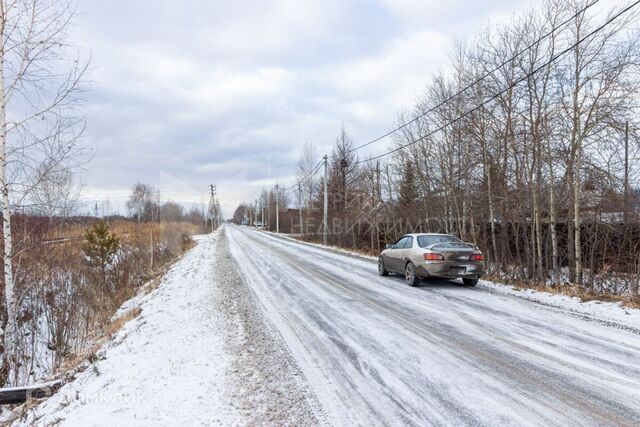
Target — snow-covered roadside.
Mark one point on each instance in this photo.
(266, 385)
(166, 366)
(200, 353)
(602, 311)
(335, 249)
(607, 312)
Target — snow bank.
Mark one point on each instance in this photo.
(167, 366)
(613, 313)
(335, 249)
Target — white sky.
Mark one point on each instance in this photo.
(183, 94)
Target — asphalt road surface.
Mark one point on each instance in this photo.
(375, 351)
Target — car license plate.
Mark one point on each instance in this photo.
(458, 271)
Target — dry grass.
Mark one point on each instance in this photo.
(113, 327)
(58, 281)
(98, 340)
(152, 285)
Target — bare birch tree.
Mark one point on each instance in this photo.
(307, 162)
(57, 194)
(40, 76)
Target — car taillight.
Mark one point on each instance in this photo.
(433, 257)
(477, 257)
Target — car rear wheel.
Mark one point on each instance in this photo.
(382, 270)
(470, 282)
(410, 274)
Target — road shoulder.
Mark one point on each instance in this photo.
(268, 386)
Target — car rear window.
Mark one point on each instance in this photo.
(424, 241)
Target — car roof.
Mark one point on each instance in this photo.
(427, 234)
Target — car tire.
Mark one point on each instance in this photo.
(470, 282)
(410, 275)
(382, 270)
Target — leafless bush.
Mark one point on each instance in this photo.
(66, 301)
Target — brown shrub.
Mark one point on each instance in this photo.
(65, 301)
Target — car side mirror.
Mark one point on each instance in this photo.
(388, 246)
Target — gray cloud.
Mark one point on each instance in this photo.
(187, 93)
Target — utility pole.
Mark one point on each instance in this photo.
(378, 187)
(277, 210)
(626, 172)
(212, 207)
(215, 207)
(378, 201)
(300, 206)
(325, 214)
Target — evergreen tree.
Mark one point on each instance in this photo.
(408, 192)
(100, 247)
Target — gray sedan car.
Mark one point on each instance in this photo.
(418, 256)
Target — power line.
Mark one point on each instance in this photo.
(295, 188)
(475, 82)
(304, 179)
(510, 86)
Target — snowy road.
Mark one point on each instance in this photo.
(375, 351)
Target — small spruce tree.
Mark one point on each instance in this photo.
(408, 192)
(100, 247)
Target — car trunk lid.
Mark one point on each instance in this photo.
(454, 251)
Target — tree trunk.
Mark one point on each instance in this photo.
(492, 221)
(577, 146)
(7, 255)
(552, 216)
(536, 203)
(576, 215)
(537, 234)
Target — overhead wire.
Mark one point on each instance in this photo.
(305, 178)
(477, 81)
(501, 92)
